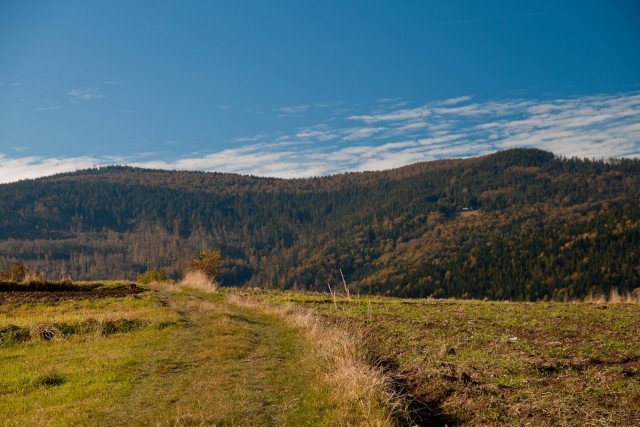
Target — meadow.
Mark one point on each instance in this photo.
(176, 355)
(180, 355)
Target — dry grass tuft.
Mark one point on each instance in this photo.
(36, 278)
(45, 331)
(198, 280)
(360, 389)
(614, 297)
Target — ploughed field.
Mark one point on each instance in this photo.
(53, 292)
(497, 363)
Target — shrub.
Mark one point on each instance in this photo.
(152, 275)
(206, 261)
(37, 278)
(15, 273)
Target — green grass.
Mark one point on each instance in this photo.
(179, 356)
(146, 306)
(70, 381)
(192, 358)
(74, 377)
(231, 366)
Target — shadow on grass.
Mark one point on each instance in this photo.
(419, 411)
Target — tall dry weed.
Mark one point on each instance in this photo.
(355, 384)
(614, 297)
(198, 280)
(34, 278)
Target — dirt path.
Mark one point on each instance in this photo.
(228, 365)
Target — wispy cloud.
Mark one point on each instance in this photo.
(394, 116)
(295, 109)
(112, 82)
(254, 138)
(48, 106)
(355, 134)
(453, 101)
(14, 169)
(84, 94)
(389, 136)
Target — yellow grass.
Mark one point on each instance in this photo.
(614, 297)
(28, 315)
(357, 388)
(198, 280)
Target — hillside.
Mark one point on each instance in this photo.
(520, 224)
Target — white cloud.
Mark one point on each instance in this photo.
(453, 101)
(387, 100)
(47, 106)
(319, 135)
(14, 169)
(296, 109)
(405, 114)
(112, 82)
(361, 133)
(412, 126)
(592, 126)
(84, 94)
(254, 138)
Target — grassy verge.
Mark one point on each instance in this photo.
(490, 363)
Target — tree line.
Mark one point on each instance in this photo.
(519, 224)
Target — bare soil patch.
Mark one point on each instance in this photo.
(54, 292)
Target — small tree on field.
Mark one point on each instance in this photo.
(15, 273)
(207, 261)
(152, 275)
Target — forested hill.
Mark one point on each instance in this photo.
(518, 224)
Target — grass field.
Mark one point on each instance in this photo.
(168, 356)
(172, 355)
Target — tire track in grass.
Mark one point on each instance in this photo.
(228, 365)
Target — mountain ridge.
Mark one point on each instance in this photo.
(409, 231)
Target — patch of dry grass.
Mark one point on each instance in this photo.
(360, 393)
(198, 280)
(143, 306)
(614, 297)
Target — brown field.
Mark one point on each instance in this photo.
(53, 292)
(497, 363)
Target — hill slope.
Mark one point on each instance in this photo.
(518, 224)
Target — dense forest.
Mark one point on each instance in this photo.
(519, 224)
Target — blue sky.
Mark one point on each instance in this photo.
(304, 88)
